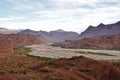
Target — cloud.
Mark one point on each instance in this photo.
(11, 18)
(48, 15)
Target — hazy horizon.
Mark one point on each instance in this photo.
(48, 15)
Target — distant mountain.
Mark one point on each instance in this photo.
(59, 30)
(15, 40)
(8, 31)
(101, 29)
(53, 36)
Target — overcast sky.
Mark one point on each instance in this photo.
(70, 15)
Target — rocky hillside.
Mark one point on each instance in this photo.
(76, 68)
(5, 48)
(21, 39)
(106, 41)
(101, 29)
(53, 36)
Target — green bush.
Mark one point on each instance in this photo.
(22, 49)
(46, 69)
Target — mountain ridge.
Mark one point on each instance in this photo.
(101, 29)
(53, 36)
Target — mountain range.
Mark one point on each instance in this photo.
(101, 29)
(53, 36)
(61, 35)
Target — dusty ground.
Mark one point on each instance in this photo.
(57, 52)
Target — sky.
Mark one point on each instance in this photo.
(69, 15)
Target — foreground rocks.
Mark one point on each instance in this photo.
(76, 68)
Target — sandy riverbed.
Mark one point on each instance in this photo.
(56, 52)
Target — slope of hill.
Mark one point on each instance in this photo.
(106, 41)
(21, 39)
(76, 68)
(101, 29)
(5, 48)
(53, 36)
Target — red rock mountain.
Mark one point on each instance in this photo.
(21, 39)
(106, 41)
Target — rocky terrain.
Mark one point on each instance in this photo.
(22, 67)
(101, 29)
(53, 36)
(5, 49)
(98, 42)
(41, 61)
(15, 40)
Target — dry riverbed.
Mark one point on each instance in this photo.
(56, 52)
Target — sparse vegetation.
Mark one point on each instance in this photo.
(22, 50)
(46, 69)
(94, 53)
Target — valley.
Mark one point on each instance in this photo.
(25, 65)
(60, 55)
(46, 50)
(59, 39)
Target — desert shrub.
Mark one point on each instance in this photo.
(22, 49)
(46, 69)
